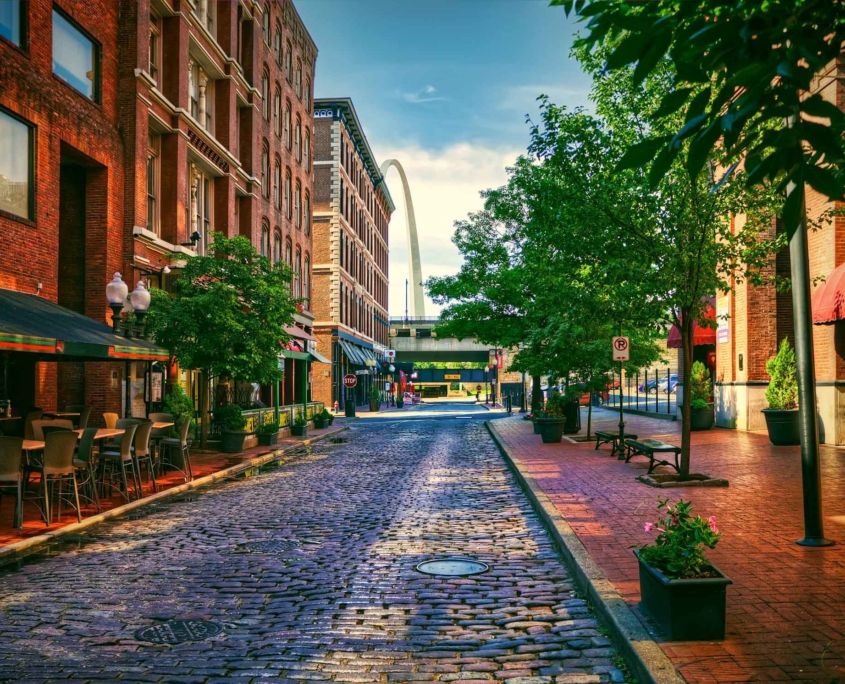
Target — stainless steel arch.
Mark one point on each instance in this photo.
(417, 304)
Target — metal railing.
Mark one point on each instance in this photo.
(255, 418)
(654, 392)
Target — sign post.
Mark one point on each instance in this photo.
(349, 382)
(621, 353)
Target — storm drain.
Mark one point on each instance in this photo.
(179, 631)
(452, 567)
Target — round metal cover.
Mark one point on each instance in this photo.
(452, 567)
(179, 631)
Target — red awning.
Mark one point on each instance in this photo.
(700, 334)
(829, 298)
(295, 331)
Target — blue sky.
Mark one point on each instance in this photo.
(443, 86)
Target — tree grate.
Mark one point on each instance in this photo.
(178, 631)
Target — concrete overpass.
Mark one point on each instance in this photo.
(414, 339)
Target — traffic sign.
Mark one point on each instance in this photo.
(349, 381)
(390, 354)
(621, 349)
(478, 388)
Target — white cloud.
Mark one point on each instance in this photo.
(523, 98)
(426, 94)
(445, 186)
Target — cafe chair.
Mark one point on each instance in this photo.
(57, 469)
(111, 420)
(31, 417)
(114, 464)
(84, 414)
(171, 446)
(143, 454)
(84, 463)
(11, 456)
(41, 427)
(120, 425)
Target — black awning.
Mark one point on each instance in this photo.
(32, 324)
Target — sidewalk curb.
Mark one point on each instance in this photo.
(646, 660)
(12, 550)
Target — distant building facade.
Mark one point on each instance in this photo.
(352, 210)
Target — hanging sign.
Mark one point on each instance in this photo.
(452, 376)
(155, 384)
(621, 349)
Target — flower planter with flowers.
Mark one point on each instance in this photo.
(551, 420)
(680, 589)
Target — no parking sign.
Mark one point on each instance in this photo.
(621, 349)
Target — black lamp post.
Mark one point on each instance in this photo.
(117, 293)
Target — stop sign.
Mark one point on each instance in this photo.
(478, 387)
(350, 380)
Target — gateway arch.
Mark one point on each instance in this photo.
(417, 303)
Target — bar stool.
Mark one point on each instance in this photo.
(11, 458)
(58, 469)
(116, 463)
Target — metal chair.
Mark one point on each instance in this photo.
(31, 417)
(84, 414)
(84, 461)
(119, 425)
(116, 463)
(111, 420)
(143, 453)
(169, 445)
(11, 458)
(38, 427)
(58, 469)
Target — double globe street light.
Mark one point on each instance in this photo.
(120, 299)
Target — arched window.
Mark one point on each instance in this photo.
(265, 24)
(265, 94)
(288, 140)
(306, 213)
(299, 78)
(277, 182)
(277, 246)
(297, 206)
(307, 95)
(265, 169)
(277, 44)
(289, 257)
(297, 139)
(277, 111)
(265, 238)
(306, 279)
(306, 150)
(297, 275)
(289, 62)
(288, 204)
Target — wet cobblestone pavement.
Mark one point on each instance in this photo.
(334, 595)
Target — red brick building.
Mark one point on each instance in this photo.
(352, 211)
(136, 129)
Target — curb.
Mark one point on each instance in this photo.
(645, 659)
(13, 550)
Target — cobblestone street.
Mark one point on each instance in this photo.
(338, 598)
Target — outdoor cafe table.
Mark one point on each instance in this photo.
(102, 433)
(61, 414)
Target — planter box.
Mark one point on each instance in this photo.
(701, 419)
(268, 438)
(299, 430)
(374, 406)
(551, 429)
(233, 442)
(321, 424)
(685, 609)
(783, 426)
(536, 428)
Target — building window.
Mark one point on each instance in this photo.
(16, 166)
(277, 181)
(277, 246)
(200, 90)
(153, 180)
(265, 94)
(277, 111)
(297, 206)
(265, 23)
(155, 46)
(277, 45)
(289, 256)
(265, 170)
(265, 239)
(297, 139)
(201, 203)
(306, 150)
(306, 213)
(288, 207)
(76, 58)
(306, 279)
(288, 141)
(297, 276)
(12, 17)
(307, 97)
(299, 78)
(289, 62)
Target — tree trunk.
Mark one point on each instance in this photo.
(686, 342)
(589, 414)
(536, 393)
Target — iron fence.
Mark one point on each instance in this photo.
(264, 416)
(655, 391)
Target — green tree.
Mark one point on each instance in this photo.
(228, 316)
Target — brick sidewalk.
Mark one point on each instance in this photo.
(786, 608)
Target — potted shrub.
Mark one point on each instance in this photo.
(300, 425)
(679, 587)
(782, 397)
(701, 410)
(180, 406)
(268, 434)
(232, 424)
(374, 396)
(551, 420)
(323, 419)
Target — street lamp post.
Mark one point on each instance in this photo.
(120, 299)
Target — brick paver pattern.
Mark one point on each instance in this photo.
(786, 608)
(343, 604)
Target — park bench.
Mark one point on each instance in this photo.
(650, 448)
(612, 438)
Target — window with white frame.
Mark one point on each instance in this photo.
(201, 205)
(307, 95)
(265, 23)
(297, 275)
(288, 190)
(299, 78)
(277, 246)
(201, 93)
(288, 136)
(277, 111)
(265, 94)
(277, 44)
(277, 181)
(265, 169)
(297, 139)
(306, 213)
(153, 182)
(265, 238)
(306, 280)
(155, 46)
(289, 62)
(306, 150)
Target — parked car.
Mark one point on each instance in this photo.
(650, 387)
(668, 384)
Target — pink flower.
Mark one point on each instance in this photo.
(713, 519)
(648, 527)
(713, 527)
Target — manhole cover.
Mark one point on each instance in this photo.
(179, 631)
(269, 546)
(339, 440)
(452, 567)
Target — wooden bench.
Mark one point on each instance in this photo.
(605, 437)
(649, 448)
